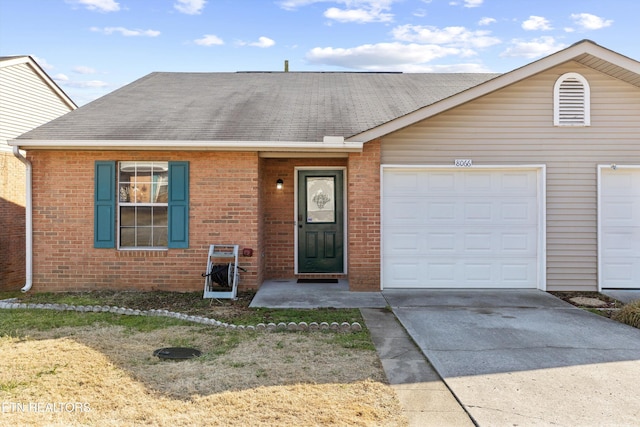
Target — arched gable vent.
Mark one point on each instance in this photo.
(571, 99)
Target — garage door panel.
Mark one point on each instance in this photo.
(473, 229)
(465, 241)
(620, 228)
(414, 272)
(621, 213)
(477, 211)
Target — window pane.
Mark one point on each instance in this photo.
(127, 216)
(143, 216)
(143, 235)
(160, 216)
(160, 236)
(160, 180)
(127, 237)
(123, 193)
(321, 199)
(127, 170)
(140, 191)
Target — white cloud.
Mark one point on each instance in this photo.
(444, 68)
(359, 16)
(359, 11)
(295, 4)
(487, 21)
(263, 42)
(81, 69)
(60, 78)
(63, 80)
(538, 23)
(473, 3)
(569, 30)
(209, 40)
(98, 5)
(590, 22)
(190, 7)
(126, 32)
(42, 63)
(532, 49)
(453, 36)
(380, 56)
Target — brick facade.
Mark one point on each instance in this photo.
(279, 236)
(364, 218)
(12, 222)
(233, 200)
(223, 206)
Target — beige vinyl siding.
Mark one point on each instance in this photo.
(515, 126)
(26, 101)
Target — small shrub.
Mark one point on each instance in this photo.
(629, 314)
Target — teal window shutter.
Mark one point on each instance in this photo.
(104, 235)
(178, 204)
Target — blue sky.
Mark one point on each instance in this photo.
(92, 47)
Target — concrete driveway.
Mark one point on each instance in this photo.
(526, 358)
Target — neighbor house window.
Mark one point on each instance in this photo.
(141, 204)
(571, 99)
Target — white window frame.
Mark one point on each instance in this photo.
(586, 101)
(139, 204)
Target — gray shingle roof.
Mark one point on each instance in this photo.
(301, 107)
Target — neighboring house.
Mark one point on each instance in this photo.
(530, 179)
(28, 98)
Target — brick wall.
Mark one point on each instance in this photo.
(223, 209)
(12, 222)
(364, 218)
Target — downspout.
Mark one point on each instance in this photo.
(28, 221)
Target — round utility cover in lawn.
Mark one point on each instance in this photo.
(177, 353)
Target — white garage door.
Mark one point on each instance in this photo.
(452, 228)
(620, 228)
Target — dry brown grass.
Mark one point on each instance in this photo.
(261, 380)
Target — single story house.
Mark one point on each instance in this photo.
(528, 179)
(28, 99)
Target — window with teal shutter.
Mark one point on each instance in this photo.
(141, 205)
(105, 204)
(178, 204)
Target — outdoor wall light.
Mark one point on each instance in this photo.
(279, 184)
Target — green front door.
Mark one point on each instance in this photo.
(320, 221)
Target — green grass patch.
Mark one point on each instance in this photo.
(19, 322)
(354, 340)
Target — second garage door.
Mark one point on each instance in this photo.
(462, 228)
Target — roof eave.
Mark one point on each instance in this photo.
(568, 54)
(147, 145)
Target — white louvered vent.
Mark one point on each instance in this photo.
(571, 101)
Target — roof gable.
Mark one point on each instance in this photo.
(585, 52)
(9, 61)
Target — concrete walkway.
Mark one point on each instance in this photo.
(425, 399)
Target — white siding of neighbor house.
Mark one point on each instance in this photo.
(515, 126)
(26, 101)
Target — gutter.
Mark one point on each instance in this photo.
(28, 221)
(328, 144)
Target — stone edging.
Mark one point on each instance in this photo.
(269, 327)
